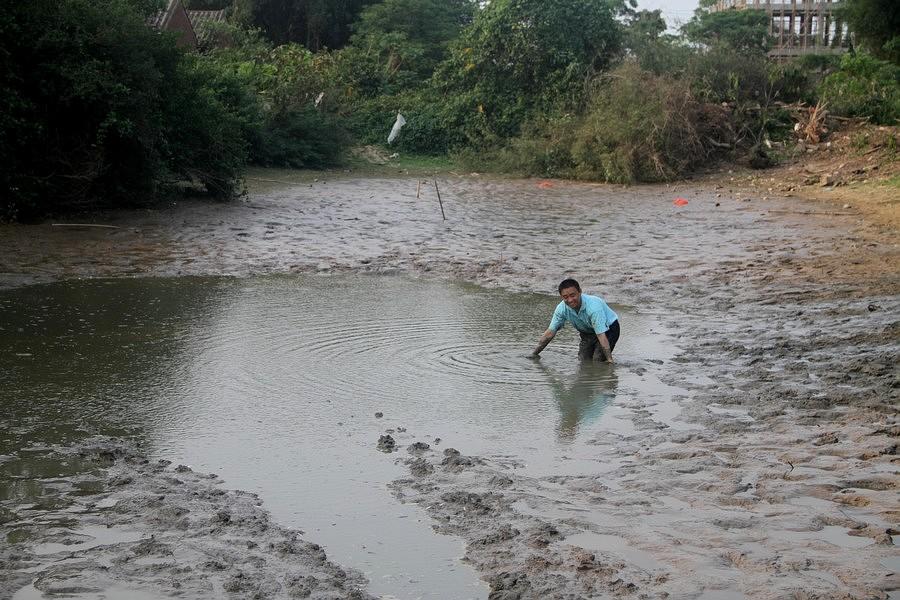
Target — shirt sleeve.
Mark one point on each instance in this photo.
(558, 320)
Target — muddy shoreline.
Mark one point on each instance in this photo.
(783, 485)
(161, 530)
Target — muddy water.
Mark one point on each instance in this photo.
(274, 383)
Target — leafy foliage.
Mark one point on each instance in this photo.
(290, 120)
(743, 30)
(864, 87)
(723, 74)
(639, 126)
(97, 107)
(876, 25)
(316, 24)
(655, 50)
(801, 78)
(397, 44)
(522, 57)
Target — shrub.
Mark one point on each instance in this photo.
(427, 130)
(639, 127)
(99, 109)
(722, 74)
(523, 58)
(799, 80)
(299, 138)
(290, 118)
(864, 86)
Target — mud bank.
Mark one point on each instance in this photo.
(684, 516)
(152, 529)
(780, 478)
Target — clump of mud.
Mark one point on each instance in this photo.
(159, 531)
(386, 443)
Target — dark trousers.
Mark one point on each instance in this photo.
(589, 348)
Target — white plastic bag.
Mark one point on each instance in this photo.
(395, 130)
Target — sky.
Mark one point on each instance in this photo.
(676, 12)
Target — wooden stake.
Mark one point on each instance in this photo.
(439, 199)
(418, 187)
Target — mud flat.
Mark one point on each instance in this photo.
(777, 475)
(152, 529)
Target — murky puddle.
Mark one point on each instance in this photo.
(282, 385)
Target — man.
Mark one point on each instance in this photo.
(591, 316)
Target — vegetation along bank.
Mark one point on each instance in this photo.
(101, 105)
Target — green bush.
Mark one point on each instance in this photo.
(745, 31)
(290, 102)
(799, 79)
(543, 150)
(864, 86)
(639, 127)
(750, 86)
(369, 120)
(723, 74)
(98, 110)
(523, 59)
(299, 138)
(207, 117)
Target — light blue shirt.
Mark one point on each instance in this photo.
(595, 315)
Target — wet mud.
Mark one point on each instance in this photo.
(777, 475)
(152, 529)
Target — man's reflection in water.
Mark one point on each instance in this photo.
(581, 398)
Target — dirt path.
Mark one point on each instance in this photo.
(782, 482)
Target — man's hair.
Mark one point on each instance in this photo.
(567, 283)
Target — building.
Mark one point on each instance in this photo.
(192, 26)
(799, 26)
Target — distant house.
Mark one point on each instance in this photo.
(192, 26)
(202, 21)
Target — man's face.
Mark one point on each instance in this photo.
(572, 297)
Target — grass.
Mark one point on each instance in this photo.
(893, 182)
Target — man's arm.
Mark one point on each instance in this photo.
(604, 345)
(542, 343)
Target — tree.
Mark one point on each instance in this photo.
(645, 26)
(655, 50)
(876, 25)
(398, 43)
(316, 24)
(745, 30)
(524, 56)
(98, 108)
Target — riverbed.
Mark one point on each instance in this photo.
(735, 449)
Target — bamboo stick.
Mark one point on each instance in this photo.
(439, 199)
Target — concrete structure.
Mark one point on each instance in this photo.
(799, 26)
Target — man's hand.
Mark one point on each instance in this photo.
(542, 343)
(604, 345)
